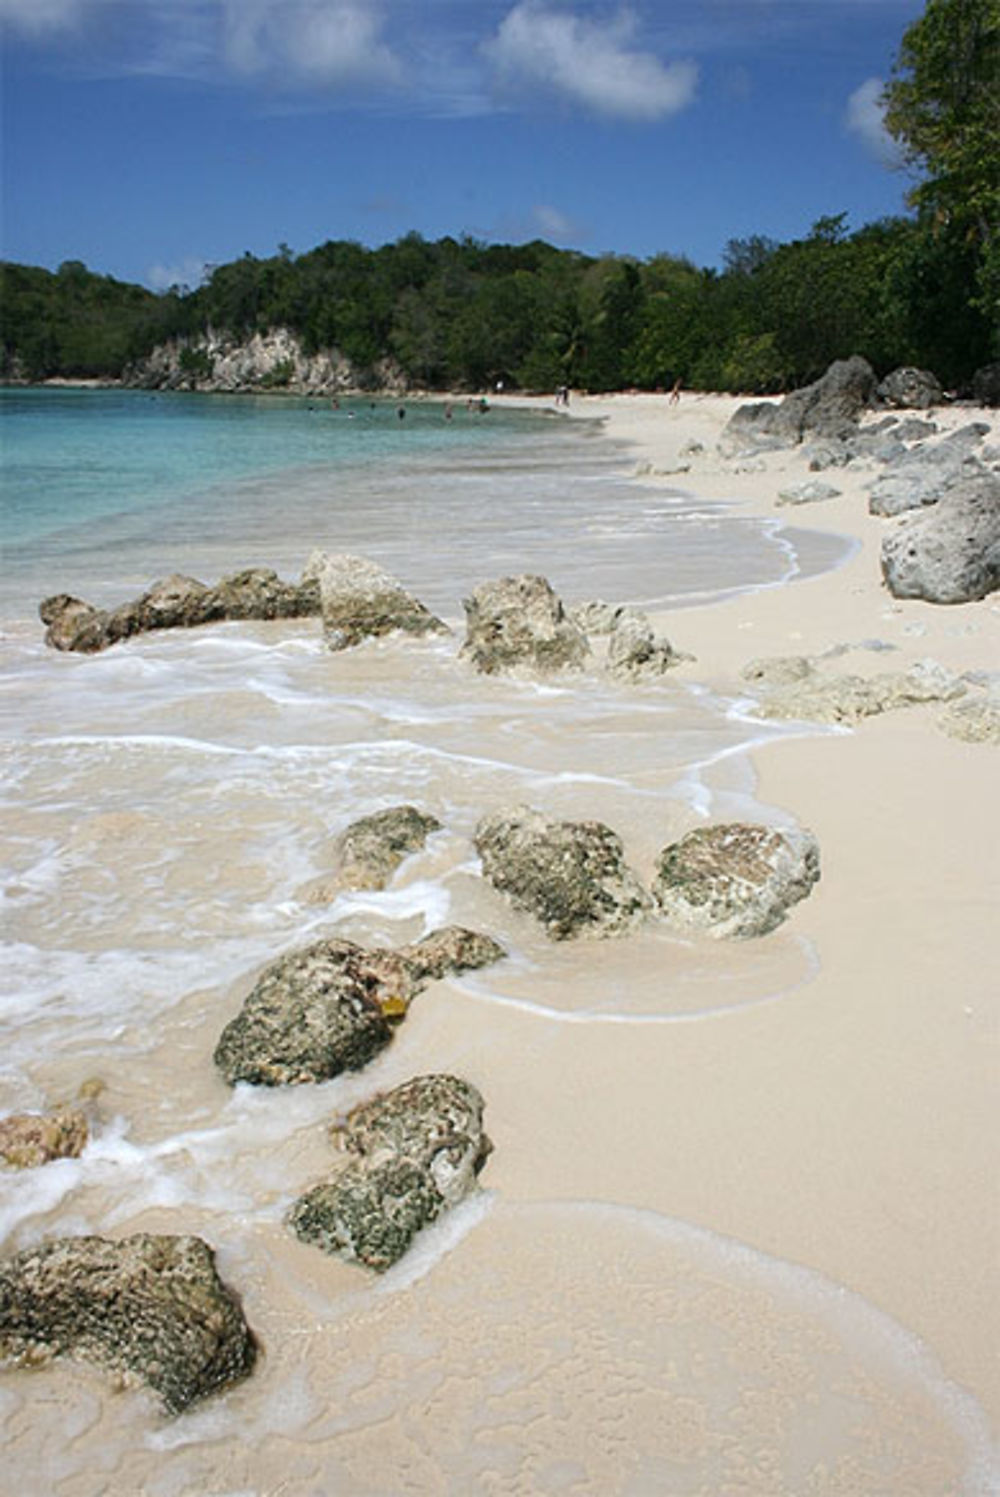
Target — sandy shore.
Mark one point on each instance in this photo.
(578, 1330)
(856, 1132)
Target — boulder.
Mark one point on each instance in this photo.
(359, 600)
(151, 1308)
(28, 1139)
(922, 476)
(418, 1150)
(370, 850)
(830, 408)
(949, 553)
(73, 624)
(595, 616)
(520, 622)
(986, 385)
(735, 880)
(634, 651)
(570, 875)
(330, 1006)
(910, 389)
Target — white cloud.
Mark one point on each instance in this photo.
(42, 15)
(864, 118)
(552, 223)
(327, 42)
(589, 62)
(190, 272)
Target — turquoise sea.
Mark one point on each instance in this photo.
(169, 816)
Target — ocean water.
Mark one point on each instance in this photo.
(169, 810)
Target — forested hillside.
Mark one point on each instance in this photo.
(459, 314)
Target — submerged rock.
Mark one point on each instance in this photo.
(951, 552)
(418, 1151)
(371, 849)
(520, 622)
(735, 880)
(570, 875)
(359, 600)
(151, 1308)
(330, 1007)
(29, 1139)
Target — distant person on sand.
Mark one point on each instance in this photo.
(675, 393)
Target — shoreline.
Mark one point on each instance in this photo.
(876, 1126)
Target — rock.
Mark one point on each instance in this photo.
(450, 949)
(848, 698)
(778, 670)
(951, 552)
(635, 651)
(360, 601)
(811, 491)
(29, 1139)
(418, 1151)
(735, 880)
(330, 1007)
(911, 389)
(176, 602)
(73, 624)
(828, 454)
(595, 617)
(830, 408)
(151, 1308)
(520, 622)
(922, 476)
(986, 385)
(370, 850)
(973, 719)
(259, 593)
(571, 875)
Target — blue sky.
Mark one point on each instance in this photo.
(151, 138)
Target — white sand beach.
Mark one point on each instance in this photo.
(857, 1132)
(739, 1231)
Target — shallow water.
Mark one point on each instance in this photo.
(169, 809)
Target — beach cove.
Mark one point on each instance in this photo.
(739, 1229)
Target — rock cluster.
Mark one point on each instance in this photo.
(176, 602)
(152, 1308)
(795, 690)
(331, 1006)
(417, 1151)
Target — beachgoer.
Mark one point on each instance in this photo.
(401, 413)
(675, 393)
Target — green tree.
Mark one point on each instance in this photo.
(942, 105)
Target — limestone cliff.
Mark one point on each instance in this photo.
(274, 360)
